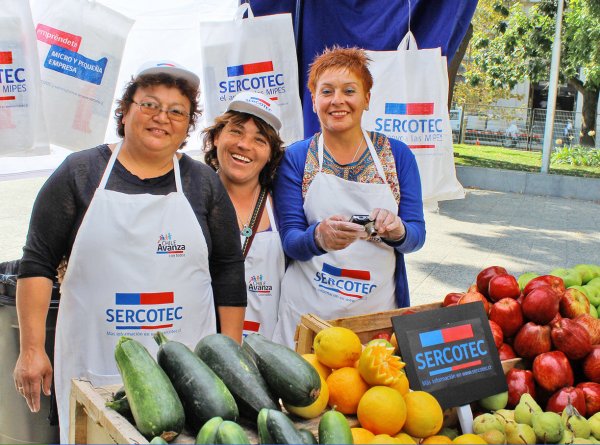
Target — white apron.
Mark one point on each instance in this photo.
(139, 265)
(356, 280)
(265, 265)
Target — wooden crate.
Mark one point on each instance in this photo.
(92, 422)
(365, 326)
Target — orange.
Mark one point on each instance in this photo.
(424, 415)
(404, 438)
(469, 439)
(382, 410)
(323, 370)
(436, 440)
(314, 409)
(384, 438)
(361, 435)
(346, 387)
(401, 384)
(337, 347)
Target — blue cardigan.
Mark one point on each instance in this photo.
(297, 236)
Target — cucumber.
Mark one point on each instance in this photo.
(334, 428)
(309, 437)
(231, 433)
(289, 376)
(281, 429)
(239, 373)
(202, 392)
(208, 432)
(154, 403)
(121, 406)
(158, 440)
(261, 424)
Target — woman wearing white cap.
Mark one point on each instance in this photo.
(244, 147)
(150, 240)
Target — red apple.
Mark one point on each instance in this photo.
(497, 333)
(484, 277)
(561, 398)
(556, 283)
(591, 325)
(506, 352)
(508, 314)
(571, 338)
(452, 298)
(591, 391)
(532, 340)
(541, 304)
(503, 286)
(573, 303)
(471, 297)
(519, 381)
(591, 365)
(383, 335)
(552, 371)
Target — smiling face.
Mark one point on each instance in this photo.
(340, 100)
(242, 152)
(156, 135)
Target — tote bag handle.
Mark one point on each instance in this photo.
(408, 43)
(239, 15)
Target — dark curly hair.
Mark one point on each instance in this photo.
(151, 80)
(267, 174)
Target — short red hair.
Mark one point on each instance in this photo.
(352, 59)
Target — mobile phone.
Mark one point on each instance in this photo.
(364, 220)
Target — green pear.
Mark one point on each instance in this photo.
(525, 409)
(519, 433)
(450, 432)
(494, 402)
(505, 415)
(575, 422)
(586, 271)
(595, 425)
(567, 437)
(571, 277)
(547, 426)
(494, 437)
(485, 422)
(526, 278)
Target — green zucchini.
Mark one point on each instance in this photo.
(120, 393)
(158, 440)
(231, 433)
(121, 406)
(208, 432)
(202, 392)
(308, 436)
(281, 429)
(261, 424)
(334, 428)
(154, 403)
(239, 373)
(289, 376)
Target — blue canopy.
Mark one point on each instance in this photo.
(370, 24)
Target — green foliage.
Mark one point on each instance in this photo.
(576, 155)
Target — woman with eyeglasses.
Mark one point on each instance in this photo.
(150, 239)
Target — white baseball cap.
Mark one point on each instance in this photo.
(171, 68)
(259, 105)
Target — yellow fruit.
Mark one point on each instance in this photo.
(394, 341)
(314, 409)
(382, 410)
(469, 439)
(384, 438)
(424, 415)
(404, 438)
(378, 366)
(323, 370)
(361, 435)
(346, 387)
(337, 347)
(436, 440)
(401, 384)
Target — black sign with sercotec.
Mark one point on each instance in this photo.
(450, 353)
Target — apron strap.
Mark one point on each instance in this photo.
(371, 147)
(113, 159)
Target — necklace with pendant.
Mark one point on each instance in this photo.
(246, 230)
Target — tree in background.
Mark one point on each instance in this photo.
(519, 47)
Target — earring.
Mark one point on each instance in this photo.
(367, 108)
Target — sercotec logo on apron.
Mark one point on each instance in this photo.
(344, 284)
(145, 311)
(167, 245)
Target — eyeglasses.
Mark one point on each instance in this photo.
(152, 109)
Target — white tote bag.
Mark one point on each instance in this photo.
(22, 129)
(253, 54)
(80, 46)
(409, 102)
